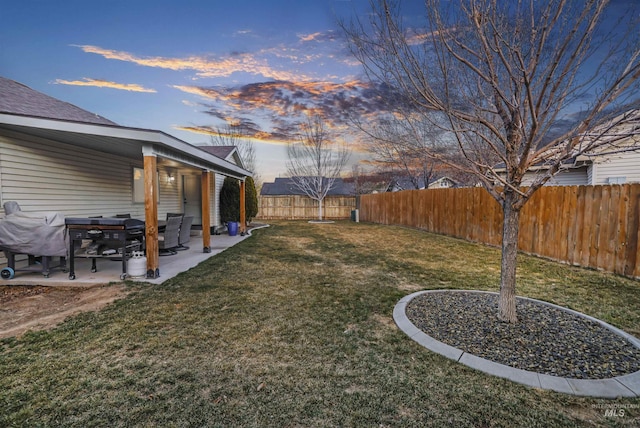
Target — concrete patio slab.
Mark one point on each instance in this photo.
(108, 271)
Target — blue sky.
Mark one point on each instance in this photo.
(183, 66)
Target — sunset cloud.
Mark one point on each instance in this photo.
(204, 66)
(419, 37)
(249, 133)
(309, 37)
(318, 37)
(271, 108)
(133, 87)
(280, 107)
(286, 99)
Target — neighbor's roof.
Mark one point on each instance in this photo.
(285, 187)
(20, 99)
(405, 183)
(620, 134)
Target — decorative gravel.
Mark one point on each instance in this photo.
(545, 340)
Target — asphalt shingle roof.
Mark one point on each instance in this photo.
(219, 151)
(16, 98)
(284, 187)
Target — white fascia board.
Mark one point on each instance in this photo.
(200, 158)
(78, 127)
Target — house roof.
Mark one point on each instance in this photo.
(20, 99)
(620, 134)
(223, 152)
(284, 186)
(405, 183)
(77, 127)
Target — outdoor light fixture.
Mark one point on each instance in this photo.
(171, 179)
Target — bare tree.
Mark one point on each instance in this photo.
(368, 181)
(230, 135)
(316, 162)
(506, 75)
(405, 141)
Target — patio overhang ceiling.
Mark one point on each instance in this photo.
(133, 143)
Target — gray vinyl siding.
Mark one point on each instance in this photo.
(591, 173)
(170, 195)
(44, 175)
(622, 165)
(571, 177)
(219, 180)
(214, 201)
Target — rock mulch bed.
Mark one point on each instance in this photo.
(545, 340)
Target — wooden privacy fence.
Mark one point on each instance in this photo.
(301, 207)
(590, 226)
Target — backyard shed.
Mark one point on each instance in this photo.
(55, 156)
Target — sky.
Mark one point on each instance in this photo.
(186, 67)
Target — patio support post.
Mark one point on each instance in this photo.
(206, 211)
(151, 215)
(243, 214)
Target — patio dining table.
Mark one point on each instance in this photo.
(112, 238)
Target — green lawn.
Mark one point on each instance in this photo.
(293, 327)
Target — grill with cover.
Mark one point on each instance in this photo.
(39, 236)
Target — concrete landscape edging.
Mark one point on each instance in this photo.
(621, 386)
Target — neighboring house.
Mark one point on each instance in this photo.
(613, 168)
(230, 154)
(616, 165)
(284, 186)
(399, 184)
(55, 156)
(283, 199)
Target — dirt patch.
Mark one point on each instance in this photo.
(27, 308)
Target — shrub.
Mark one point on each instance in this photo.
(251, 199)
(230, 200)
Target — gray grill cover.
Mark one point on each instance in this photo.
(38, 234)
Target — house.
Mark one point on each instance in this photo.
(282, 199)
(617, 164)
(599, 168)
(398, 184)
(55, 156)
(285, 186)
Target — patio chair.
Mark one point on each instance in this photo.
(174, 215)
(169, 240)
(185, 232)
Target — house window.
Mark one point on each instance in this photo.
(617, 180)
(138, 185)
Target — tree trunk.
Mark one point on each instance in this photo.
(510, 229)
(320, 209)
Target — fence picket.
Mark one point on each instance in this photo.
(591, 226)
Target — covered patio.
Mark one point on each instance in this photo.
(109, 270)
(157, 156)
